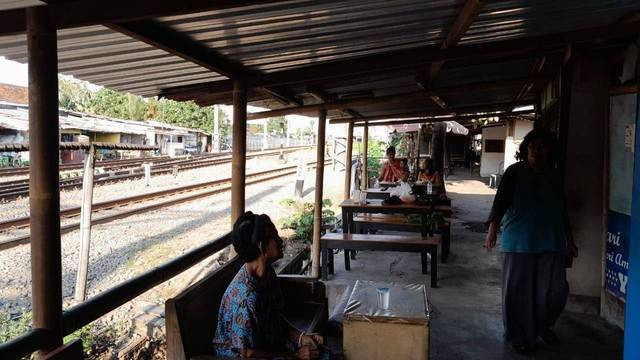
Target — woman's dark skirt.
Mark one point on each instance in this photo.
(534, 293)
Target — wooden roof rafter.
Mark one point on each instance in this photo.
(478, 110)
(326, 98)
(466, 17)
(174, 42)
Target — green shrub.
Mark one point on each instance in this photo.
(12, 328)
(302, 219)
(94, 340)
(375, 153)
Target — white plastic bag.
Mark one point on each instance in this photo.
(403, 189)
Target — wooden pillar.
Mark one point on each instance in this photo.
(85, 224)
(317, 211)
(239, 156)
(347, 162)
(44, 190)
(439, 132)
(365, 156)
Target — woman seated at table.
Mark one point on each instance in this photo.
(392, 169)
(428, 173)
(250, 320)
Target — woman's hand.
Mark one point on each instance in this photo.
(308, 352)
(312, 340)
(492, 235)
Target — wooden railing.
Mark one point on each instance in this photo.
(92, 309)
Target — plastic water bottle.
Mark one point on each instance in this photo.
(376, 184)
(429, 188)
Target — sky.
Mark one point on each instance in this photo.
(12, 72)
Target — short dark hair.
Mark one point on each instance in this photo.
(391, 149)
(248, 235)
(549, 139)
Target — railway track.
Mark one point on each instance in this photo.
(119, 172)
(109, 164)
(107, 211)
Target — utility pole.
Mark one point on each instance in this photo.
(288, 127)
(216, 129)
(265, 143)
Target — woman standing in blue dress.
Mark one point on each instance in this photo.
(536, 242)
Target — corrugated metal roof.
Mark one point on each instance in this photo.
(289, 35)
(16, 117)
(16, 4)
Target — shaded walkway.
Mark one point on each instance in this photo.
(466, 319)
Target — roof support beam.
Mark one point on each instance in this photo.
(438, 119)
(174, 42)
(467, 16)
(461, 111)
(282, 96)
(326, 97)
(77, 13)
(331, 104)
(337, 105)
(412, 60)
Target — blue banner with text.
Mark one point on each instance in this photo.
(616, 273)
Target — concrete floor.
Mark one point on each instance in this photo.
(466, 319)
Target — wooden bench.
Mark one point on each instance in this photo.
(192, 315)
(400, 222)
(402, 243)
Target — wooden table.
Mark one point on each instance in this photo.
(349, 207)
(400, 332)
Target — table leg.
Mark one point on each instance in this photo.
(423, 222)
(434, 266)
(345, 221)
(347, 261)
(446, 244)
(423, 258)
(331, 262)
(352, 230)
(325, 263)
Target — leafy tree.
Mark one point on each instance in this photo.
(277, 125)
(73, 95)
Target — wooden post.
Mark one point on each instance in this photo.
(347, 161)
(216, 130)
(85, 225)
(365, 156)
(317, 211)
(44, 190)
(239, 155)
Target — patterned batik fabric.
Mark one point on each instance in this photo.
(250, 315)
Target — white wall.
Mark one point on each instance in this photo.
(489, 162)
(520, 129)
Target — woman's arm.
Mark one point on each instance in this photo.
(501, 202)
(572, 249)
(383, 171)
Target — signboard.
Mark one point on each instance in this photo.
(617, 258)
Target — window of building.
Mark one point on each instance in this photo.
(495, 146)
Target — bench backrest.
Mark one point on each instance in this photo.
(192, 315)
(69, 351)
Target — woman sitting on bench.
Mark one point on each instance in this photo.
(250, 321)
